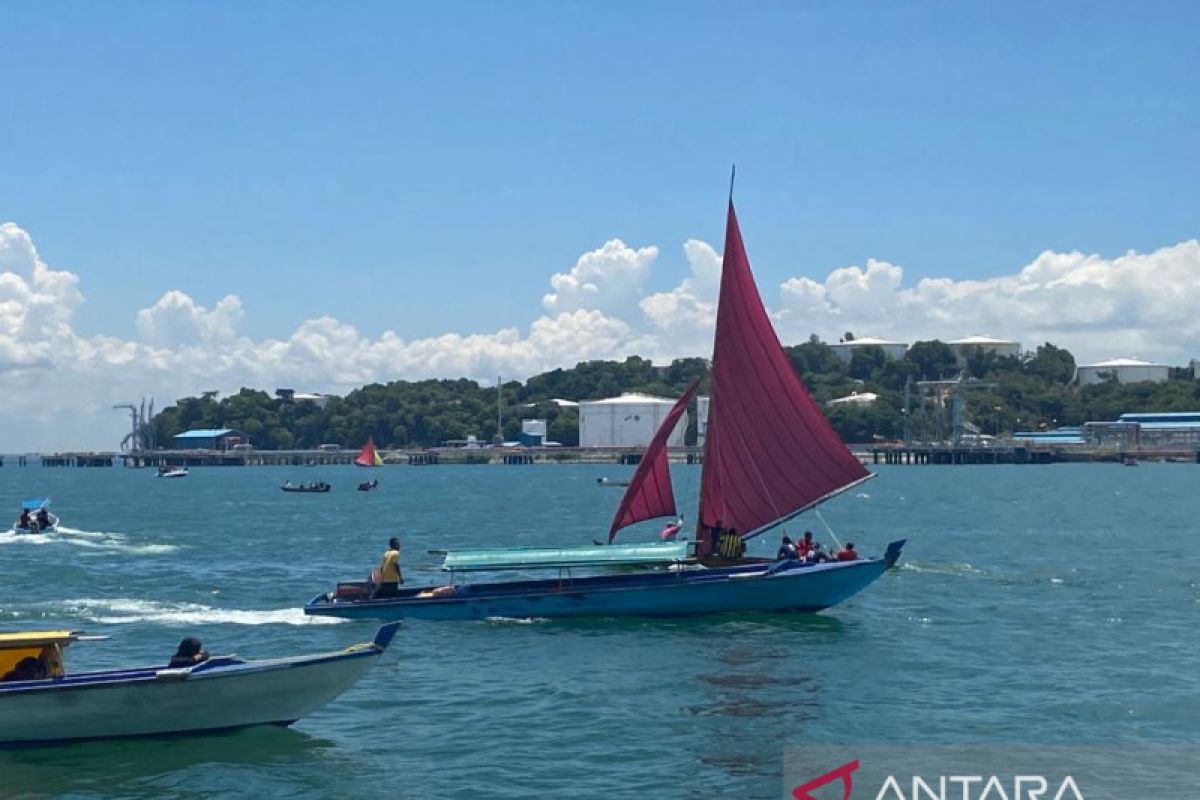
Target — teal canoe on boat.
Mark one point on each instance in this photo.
(600, 556)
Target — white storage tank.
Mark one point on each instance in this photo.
(701, 420)
(1126, 370)
(626, 421)
(988, 344)
(845, 350)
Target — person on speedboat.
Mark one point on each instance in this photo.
(25, 522)
(190, 653)
(43, 518)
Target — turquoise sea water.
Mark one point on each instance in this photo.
(1050, 604)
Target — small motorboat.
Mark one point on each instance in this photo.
(41, 704)
(171, 472)
(35, 517)
(368, 486)
(610, 482)
(310, 488)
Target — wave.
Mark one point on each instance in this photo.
(516, 620)
(122, 611)
(99, 540)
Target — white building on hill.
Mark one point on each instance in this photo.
(845, 350)
(1126, 370)
(626, 421)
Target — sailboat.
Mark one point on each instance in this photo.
(769, 455)
(368, 456)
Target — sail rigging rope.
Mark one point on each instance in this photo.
(821, 517)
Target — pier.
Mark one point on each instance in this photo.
(891, 454)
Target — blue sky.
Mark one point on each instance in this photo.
(209, 195)
(425, 169)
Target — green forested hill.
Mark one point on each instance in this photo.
(1031, 391)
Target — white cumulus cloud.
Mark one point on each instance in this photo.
(608, 279)
(1139, 304)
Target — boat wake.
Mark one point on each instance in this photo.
(516, 620)
(957, 570)
(98, 540)
(122, 611)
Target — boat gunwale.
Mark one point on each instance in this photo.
(215, 668)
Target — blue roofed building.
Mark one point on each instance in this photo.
(209, 439)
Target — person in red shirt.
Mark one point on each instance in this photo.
(805, 545)
(848, 553)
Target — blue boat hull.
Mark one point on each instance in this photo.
(773, 588)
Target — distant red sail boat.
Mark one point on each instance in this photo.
(368, 456)
(769, 455)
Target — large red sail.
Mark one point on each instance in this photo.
(649, 494)
(769, 452)
(366, 457)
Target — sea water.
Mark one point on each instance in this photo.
(1034, 605)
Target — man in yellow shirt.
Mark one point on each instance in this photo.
(389, 571)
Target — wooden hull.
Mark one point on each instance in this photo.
(157, 701)
(773, 588)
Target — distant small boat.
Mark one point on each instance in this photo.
(36, 517)
(610, 482)
(310, 488)
(1130, 461)
(368, 486)
(40, 704)
(171, 472)
(368, 456)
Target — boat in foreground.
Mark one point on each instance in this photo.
(221, 693)
(773, 587)
(769, 455)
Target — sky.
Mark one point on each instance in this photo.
(316, 195)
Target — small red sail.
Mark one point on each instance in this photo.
(769, 452)
(649, 494)
(367, 456)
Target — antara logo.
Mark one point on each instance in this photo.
(843, 772)
(949, 787)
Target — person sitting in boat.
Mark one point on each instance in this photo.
(787, 550)
(847, 553)
(43, 518)
(189, 654)
(817, 554)
(29, 668)
(806, 545)
(389, 571)
(671, 530)
(24, 522)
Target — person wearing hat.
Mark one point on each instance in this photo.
(189, 654)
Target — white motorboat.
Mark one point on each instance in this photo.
(171, 472)
(36, 517)
(41, 704)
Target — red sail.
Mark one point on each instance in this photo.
(769, 453)
(649, 494)
(366, 456)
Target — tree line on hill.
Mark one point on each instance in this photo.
(1027, 392)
